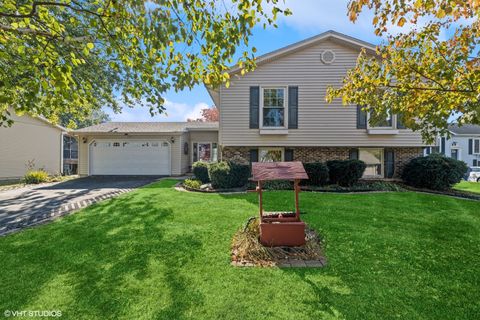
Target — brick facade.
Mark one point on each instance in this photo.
(322, 154)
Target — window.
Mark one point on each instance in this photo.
(205, 151)
(70, 147)
(116, 144)
(270, 155)
(476, 146)
(385, 122)
(373, 158)
(273, 107)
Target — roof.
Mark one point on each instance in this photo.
(51, 123)
(466, 129)
(149, 127)
(300, 45)
(262, 171)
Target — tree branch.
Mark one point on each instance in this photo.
(28, 31)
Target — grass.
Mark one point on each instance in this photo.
(468, 186)
(164, 254)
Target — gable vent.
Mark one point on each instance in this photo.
(327, 56)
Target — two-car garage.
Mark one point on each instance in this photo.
(129, 157)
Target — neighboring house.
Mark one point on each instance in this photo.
(30, 143)
(275, 113)
(278, 112)
(463, 144)
(145, 148)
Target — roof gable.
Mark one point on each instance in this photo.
(298, 46)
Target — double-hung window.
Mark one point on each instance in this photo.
(383, 122)
(476, 146)
(273, 107)
(373, 158)
(270, 154)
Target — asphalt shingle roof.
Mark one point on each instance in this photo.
(148, 127)
(465, 129)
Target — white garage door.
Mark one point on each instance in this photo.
(117, 157)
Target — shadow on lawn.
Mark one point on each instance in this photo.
(110, 254)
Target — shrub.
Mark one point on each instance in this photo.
(345, 173)
(226, 175)
(240, 173)
(192, 183)
(35, 176)
(200, 170)
(434, 172)
(317, 174)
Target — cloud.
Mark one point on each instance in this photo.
(175, 111)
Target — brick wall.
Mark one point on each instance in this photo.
(322, 154)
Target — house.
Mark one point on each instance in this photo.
(31, 142)
(463, 144)
(277, 112)
(145, 148)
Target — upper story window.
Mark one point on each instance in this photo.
(385, 122)
(273, 107)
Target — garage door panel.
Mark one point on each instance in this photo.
(130, 158)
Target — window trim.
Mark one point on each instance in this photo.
(285, 107)
(271, 148)
(198, 143)
(382, 163)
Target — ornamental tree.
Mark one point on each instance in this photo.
(427, 70)
(74, 56)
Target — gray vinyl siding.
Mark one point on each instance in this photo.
(319, 123)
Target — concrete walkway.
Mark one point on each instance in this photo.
(32, 205)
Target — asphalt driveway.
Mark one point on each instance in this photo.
(31, 205)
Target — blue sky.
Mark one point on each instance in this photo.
(310, 17)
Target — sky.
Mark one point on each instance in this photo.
(310, 17)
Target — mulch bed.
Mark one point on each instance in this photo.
(247, 251)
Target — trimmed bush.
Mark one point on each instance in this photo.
(192, 183)
(345, 173)
(317, 174)
(240, 173)
(200, 170)
(435, 172)
(227, 175)
(35, 177)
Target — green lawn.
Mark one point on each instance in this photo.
(164, 254)
(468, 186)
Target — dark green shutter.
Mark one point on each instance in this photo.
(292, 107)
(353, 154)
(475, 162)
(288, 154)
(400, 124)
(389, 159)
(253, 155)
(361, 118)
(470, 146)
(254, 107)
(442, 145)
